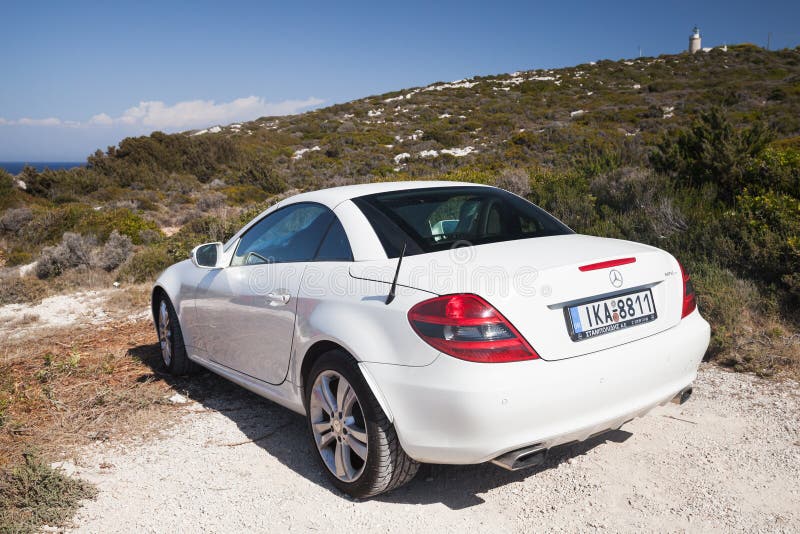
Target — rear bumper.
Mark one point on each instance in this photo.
(458, 412)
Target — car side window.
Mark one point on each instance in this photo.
(335, 246)
(291, 234)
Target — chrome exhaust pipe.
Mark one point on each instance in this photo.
(522, 458)
(683, 396)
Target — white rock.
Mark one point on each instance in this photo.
(299, 153)
(66, 467)
(459, 152)
(178, 399)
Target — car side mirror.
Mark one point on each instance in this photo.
(208, 256)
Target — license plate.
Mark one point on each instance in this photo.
(613, 314)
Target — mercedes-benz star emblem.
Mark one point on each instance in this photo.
(615, 277)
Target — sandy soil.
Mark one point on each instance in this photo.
(18, 321)
(729, 459)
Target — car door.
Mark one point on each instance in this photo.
(246, 312)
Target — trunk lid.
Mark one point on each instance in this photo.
(532, 281)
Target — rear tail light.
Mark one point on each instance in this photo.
(467, 327)
(689, 301)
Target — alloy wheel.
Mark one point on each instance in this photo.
(338, 425)
(165, 333)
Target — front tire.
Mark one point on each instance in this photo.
(354, 441)
(170, 339)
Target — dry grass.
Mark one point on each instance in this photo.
(61, 391)
(73, 386)
(764, 346)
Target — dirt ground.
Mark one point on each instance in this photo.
(202, 455)
(729, 459)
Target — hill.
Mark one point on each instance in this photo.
(698, 154)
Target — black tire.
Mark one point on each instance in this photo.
(387, 465)
(178, 363)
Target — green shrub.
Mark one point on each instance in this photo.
(146, 264)
(6, 183)
(33, 494)
(18, 257)
(238, 195)
(712, 151)
(767, 229)
(261, 174)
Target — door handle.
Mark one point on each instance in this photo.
(278, 299)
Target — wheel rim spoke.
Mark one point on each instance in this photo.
(325, 440)
(328, 395)
(356, 446)
(353, 430)
(349, 399)
(342, 391)
(339, 459)
(321, 400)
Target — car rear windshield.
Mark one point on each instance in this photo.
(428, 220)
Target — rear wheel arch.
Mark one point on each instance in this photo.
(319, 349)
(158, 293)
(313, 354)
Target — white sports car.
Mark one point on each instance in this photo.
(434, 322)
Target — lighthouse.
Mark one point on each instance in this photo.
(694, 41)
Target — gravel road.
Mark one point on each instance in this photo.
(729, 459)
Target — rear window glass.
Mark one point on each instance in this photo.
(428, 220)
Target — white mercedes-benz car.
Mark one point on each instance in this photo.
(436, 322)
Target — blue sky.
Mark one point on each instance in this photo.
(81, 75)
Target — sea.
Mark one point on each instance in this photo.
(15, 167)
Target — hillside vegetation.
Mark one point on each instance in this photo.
(697, 154)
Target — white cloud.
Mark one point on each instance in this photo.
(183, 115)
(101, 119)
(194, 113)
(49, 121)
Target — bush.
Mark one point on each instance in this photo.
(210, 200)
(18, 257)
(767, 229)
(14, 219)
(6, 183)
(33, 494)
(712, 151)
(515, 180)
(244, 194)
(261, 174)
(116, 250)
(74, 251)
(146, 264)
(726, 301)
(8, 190)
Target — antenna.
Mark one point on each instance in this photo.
(390, 296)
(640, 50)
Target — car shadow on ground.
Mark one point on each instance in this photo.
(283, 434)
